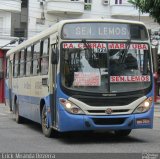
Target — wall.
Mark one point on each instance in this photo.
(5, 29)
(98, 10)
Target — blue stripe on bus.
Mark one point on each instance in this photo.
(29, 107)
(29, 99)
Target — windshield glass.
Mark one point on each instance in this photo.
(105, 67)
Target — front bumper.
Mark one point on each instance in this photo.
(71, 122)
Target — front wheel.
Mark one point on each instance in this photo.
(122, 133)
(47, 131)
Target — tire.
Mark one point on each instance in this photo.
(122, 133)
(18, 118)
(48, 132)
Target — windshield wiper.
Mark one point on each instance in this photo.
(124, 51)
(87, 45)
(91, 51)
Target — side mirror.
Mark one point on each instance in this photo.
(54, 56)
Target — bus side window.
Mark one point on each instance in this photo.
(7, 68)
(36, 58)
(22, 60)
(53, 71)
(16, 65)
(13, 65)
(45, 57)
(28, 61)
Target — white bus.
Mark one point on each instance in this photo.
(81, 75)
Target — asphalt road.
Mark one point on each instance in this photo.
(28, 138)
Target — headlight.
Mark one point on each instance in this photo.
(144, 107)
(71, 107)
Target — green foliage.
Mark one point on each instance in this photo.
(148, 6)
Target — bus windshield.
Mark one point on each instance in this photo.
(105, 67)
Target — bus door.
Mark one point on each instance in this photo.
(53, 85)
(10, 85)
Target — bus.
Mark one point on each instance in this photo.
(83, 75)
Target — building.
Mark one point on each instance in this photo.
(25, 18)
(13, 24)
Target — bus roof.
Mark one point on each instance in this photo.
(102, 20)
(53, 29)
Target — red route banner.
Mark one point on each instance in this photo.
(104, 45)
(82, 45)
(123, 46)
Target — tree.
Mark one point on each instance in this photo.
(148, 6)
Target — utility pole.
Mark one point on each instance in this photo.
(139, 16)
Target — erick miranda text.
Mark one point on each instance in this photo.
(27, 156)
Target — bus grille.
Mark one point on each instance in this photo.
(113, 111)
(108, 101)
(104, 121)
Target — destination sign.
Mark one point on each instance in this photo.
(104, 46)
(143, 78)
(95, 31)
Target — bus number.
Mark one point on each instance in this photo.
(101, 50)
